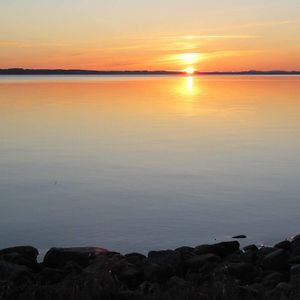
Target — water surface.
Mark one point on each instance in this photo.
(137, 163)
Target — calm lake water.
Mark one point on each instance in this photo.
(137, 163)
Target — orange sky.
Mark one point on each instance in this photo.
(214, 35)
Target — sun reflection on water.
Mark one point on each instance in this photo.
(189, 84)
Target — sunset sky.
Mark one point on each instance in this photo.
(215, 35)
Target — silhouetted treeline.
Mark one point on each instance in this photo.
(20, 71)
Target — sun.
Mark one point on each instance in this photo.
(189, 70)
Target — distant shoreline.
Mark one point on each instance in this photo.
(20, 71)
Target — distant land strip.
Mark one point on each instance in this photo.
(21, 71)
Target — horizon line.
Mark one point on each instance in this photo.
(61, 71)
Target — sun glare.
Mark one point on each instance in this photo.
(189, 58)
(190, 71)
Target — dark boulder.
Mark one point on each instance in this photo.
(131, 276)
(285, 245)
(222, 249)
(184, 249)
(295, 269)
(295, 242)
(50, 276)
(294, 260)
(28, 252)
(135, 257)
(251, 248)
(9, 271)
(58, 257)
(157, 273)
(22, 255)
(276, 260)
(272, 279)
(167, 258)
(205, 249)
(198, 261)
(244, 272)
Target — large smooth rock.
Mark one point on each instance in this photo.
(9, 271)
(285, 245)
(169, 258)
(25, 251)
(272, 279)
(157, 273)
(226, 248)
(131, 276)
(222, 249)
(250, 248)
(198, 261)
(58, 257)
(22, 255)
(276, 260)
(245, 272)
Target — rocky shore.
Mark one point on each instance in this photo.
(209, 272)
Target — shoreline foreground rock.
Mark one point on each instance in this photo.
(209, 272)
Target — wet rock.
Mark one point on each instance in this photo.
(222, 249)
(58, 257)
(168, 259)
(201, 273)
(51, 276)
(157, 273)
(272, 279)
(249, 256)
(135, 257)
(276, 260)
(263, 251)
(205, 249)
(284, 286)
(295, 296)
(149, 289)
(285, 245)
(218, 271)
(245, 272)
(186, 253)
(226, 248)
(22, 255)
(185, 249)
(295, 242)
(28, 252)
(295, 269)
(164, 257)
(131, 276)
(250, 248)
(198, 261)
(9, 271)
(294, 260)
